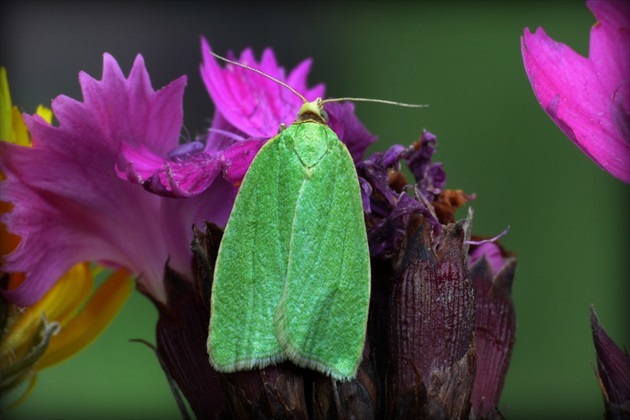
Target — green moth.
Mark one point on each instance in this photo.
(292, 278)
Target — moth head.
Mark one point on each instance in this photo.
(312, 112)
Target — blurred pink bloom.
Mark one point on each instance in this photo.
(70, 206)
(588, 98)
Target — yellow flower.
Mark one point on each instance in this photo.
(67, 318)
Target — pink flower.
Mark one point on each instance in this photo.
(249, 110)
(70, 206)
(71, 198)
(588, 98)
(251, 103)
(252, 106)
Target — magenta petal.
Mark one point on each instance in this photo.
(236, 159)
(69, 205)
(182, 174)
(136, 164)
(610, 41)
(588, 98)
(250, 102)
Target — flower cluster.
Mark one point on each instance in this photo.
(112, 184)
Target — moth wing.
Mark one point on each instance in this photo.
(250, 270)
(322, 317)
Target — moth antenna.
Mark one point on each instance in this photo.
(281, 83)
(380, 101)
(262, 73)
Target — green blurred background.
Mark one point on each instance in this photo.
(569, 219)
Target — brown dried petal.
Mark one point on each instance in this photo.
(205, 248)
(431, 344)
(181, 335)
(270, 393)
(354, 399)
(495, 327)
